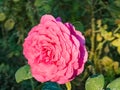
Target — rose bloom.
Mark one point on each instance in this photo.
(55, 51)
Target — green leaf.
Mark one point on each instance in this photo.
(116, 42)
(23, 73)
(50, 86)
(100, 45)
(95, 82)
(114, 85)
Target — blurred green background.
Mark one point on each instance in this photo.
(98, 20)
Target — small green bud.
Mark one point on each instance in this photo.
(9, 24)
(2, 16)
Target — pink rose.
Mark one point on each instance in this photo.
(55, 51)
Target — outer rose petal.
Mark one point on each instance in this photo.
(55, 51)
(47, 18)
(43, 73)
(78, 34)
(58, 19)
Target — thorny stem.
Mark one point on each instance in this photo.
(93, 56)
(93, 33)
(92, 38)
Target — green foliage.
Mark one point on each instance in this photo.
(16, 1)
(95, 82)
(103, 41)
(79, 26)
(114, 85)
(23, 74)
(4, 68)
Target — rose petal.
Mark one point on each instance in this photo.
(46, 18)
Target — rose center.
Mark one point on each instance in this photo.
(46, 55)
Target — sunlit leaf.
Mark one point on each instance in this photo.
(95, 82)
(116, 42)
(114, 85)
(23, 74)
(99, 37)
(117, 35)
(108, 36)
(106, 61)
(99, 46)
